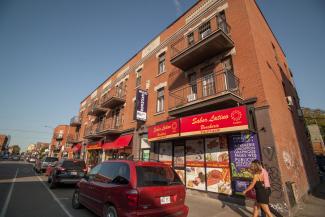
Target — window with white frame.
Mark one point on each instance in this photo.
(138, 78)
(160, 100)
(162, 63)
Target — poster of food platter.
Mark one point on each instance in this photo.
(217, 152)
(165, 153)
(195, 178)
(181, 174)
(243, 148)
(218, 180)
(195, 153)
(179, 158)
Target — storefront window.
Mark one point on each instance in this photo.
(195, 171)
(165, 152)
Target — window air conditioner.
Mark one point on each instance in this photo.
(205, 33)
(289, 100)
(191, 97)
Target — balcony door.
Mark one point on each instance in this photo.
(230, 78)
(222, 24)
(117, 118)
(208, 85)
(193, 87)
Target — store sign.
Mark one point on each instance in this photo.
(94, 146)
(233, 119)
(166, 130)
(142, 104)
(243, 150)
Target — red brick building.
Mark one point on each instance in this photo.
(219, 94)
(62, 141)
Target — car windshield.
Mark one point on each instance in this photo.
(51, 159)
(70, 164)
(156, 176)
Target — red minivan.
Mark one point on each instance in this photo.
(125, 188)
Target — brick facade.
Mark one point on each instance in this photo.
(265, 85)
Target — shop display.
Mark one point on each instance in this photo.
(218, 180)
(181, 174)
(217, 152)
(195, 178)
(195, 153)
(165, 152)
(179, 160)
(243, 150)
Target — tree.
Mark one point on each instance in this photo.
(15, 149)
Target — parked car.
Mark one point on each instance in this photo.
(67, 171)
(32, 160)
(42, 164)
(16, 157)
(125, 188)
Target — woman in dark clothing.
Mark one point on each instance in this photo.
(262, 197)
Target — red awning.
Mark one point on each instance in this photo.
(119, 143)
(76, 148)
(94, 146)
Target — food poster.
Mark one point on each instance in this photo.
(217, 152)
(195, 178)
(243, 148)
(218, 180)
(195, 153)
(181, 174)
(179, 156)
(240, 186)
(165, 153)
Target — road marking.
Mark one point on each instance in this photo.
(5, 207)
(54, 197)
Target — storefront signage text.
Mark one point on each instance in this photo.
(166, 130)
(141, 102)
(227, 120)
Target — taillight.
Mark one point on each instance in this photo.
(132, 198)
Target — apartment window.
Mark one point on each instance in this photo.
(119, 90)
(275, 53)
(208, 85)
(231, 82)
(190, 39)
(221, 20)
(160, 100)
(138, 78)
(162, 63)
(204, 30)
(134, 109)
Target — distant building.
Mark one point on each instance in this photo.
(61, 141)
(316, 139)
(4, 143)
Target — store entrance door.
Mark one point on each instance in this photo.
(179, 160)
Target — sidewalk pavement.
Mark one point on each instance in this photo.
(208, 207)
(314, 204)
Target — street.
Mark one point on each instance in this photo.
(23, 193)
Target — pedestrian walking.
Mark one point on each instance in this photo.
(262, 194)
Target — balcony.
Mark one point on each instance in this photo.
(114, 98)
(96, 109)
(111, 126)
(91, 133)
(204, 42)
(73, 139)
(217, 90)
(75, 121)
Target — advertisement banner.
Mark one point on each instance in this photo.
(227, 120)
(166, 130)
(216, 152)
(195, 178)
(218, 180)
(243, 148)
(195, 153)
(142, 103)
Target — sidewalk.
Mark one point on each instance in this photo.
(314, 204)
(208, 207)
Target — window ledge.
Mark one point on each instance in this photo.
(158, 113)
(161, 73)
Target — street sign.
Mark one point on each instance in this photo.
(141, 105)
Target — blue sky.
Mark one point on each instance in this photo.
(53, 53)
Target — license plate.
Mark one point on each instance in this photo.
(165, 200)
(73, 173)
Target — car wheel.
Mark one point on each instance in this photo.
(75, 200)
(111, 212)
